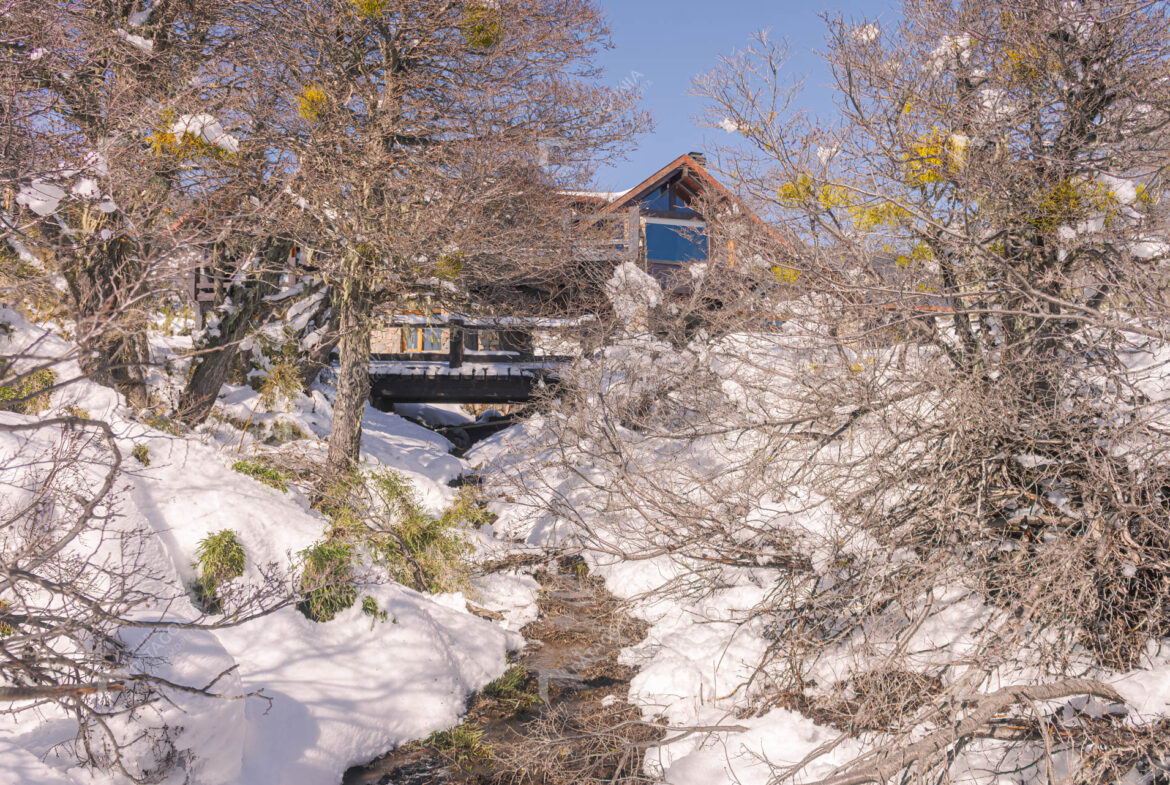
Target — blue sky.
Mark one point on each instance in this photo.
(661, 45)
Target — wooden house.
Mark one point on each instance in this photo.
(658, 224)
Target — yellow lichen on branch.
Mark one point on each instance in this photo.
(311, 103)
(936, 156)
(483, 26)
(369, 9)
(1073, 201)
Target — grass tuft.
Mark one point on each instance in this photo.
(269, 475)
(327, 580)
(417, 549)
(514, 691)
(382, 512)
(468, 509)
(28, 395)
(371, 609)
(283, 381)
(141, 453)
(463, 743)
(219, 558)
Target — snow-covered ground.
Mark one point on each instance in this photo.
(332, 695)
(340, 693)
(709, 651)
(697, 656)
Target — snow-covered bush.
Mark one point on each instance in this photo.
(916, 492)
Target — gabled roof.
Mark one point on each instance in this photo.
(694, 177)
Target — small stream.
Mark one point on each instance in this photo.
(576, 726)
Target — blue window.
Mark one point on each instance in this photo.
(659, 200)
(675, 241)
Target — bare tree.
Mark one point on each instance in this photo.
(420, 128)
(939, 391)
(135, 151)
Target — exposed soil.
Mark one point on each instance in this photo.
(563, 720)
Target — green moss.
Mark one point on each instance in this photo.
(269, 475)
(327, 580)
(27, 396)
(219, 558)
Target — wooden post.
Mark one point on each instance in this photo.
(455, 358)
(633, 235)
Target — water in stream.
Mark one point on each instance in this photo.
(579, 730)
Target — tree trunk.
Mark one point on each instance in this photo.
(354, 306)
(252, 310)
(212, 369)
(110, 328)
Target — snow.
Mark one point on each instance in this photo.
(87, 188)
(633, 292)
(1122, 188)
(43, 195)
(140, 17)
(207, 128)
(780, 738)
(436, 415)
(706, 658)
(952, 50)
(421, 455)
(22, 767)
(335, 694)
(866, 34)
(1150, 249)
(136, 41)
(344, 693)
(40, 196)
(512, 594)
